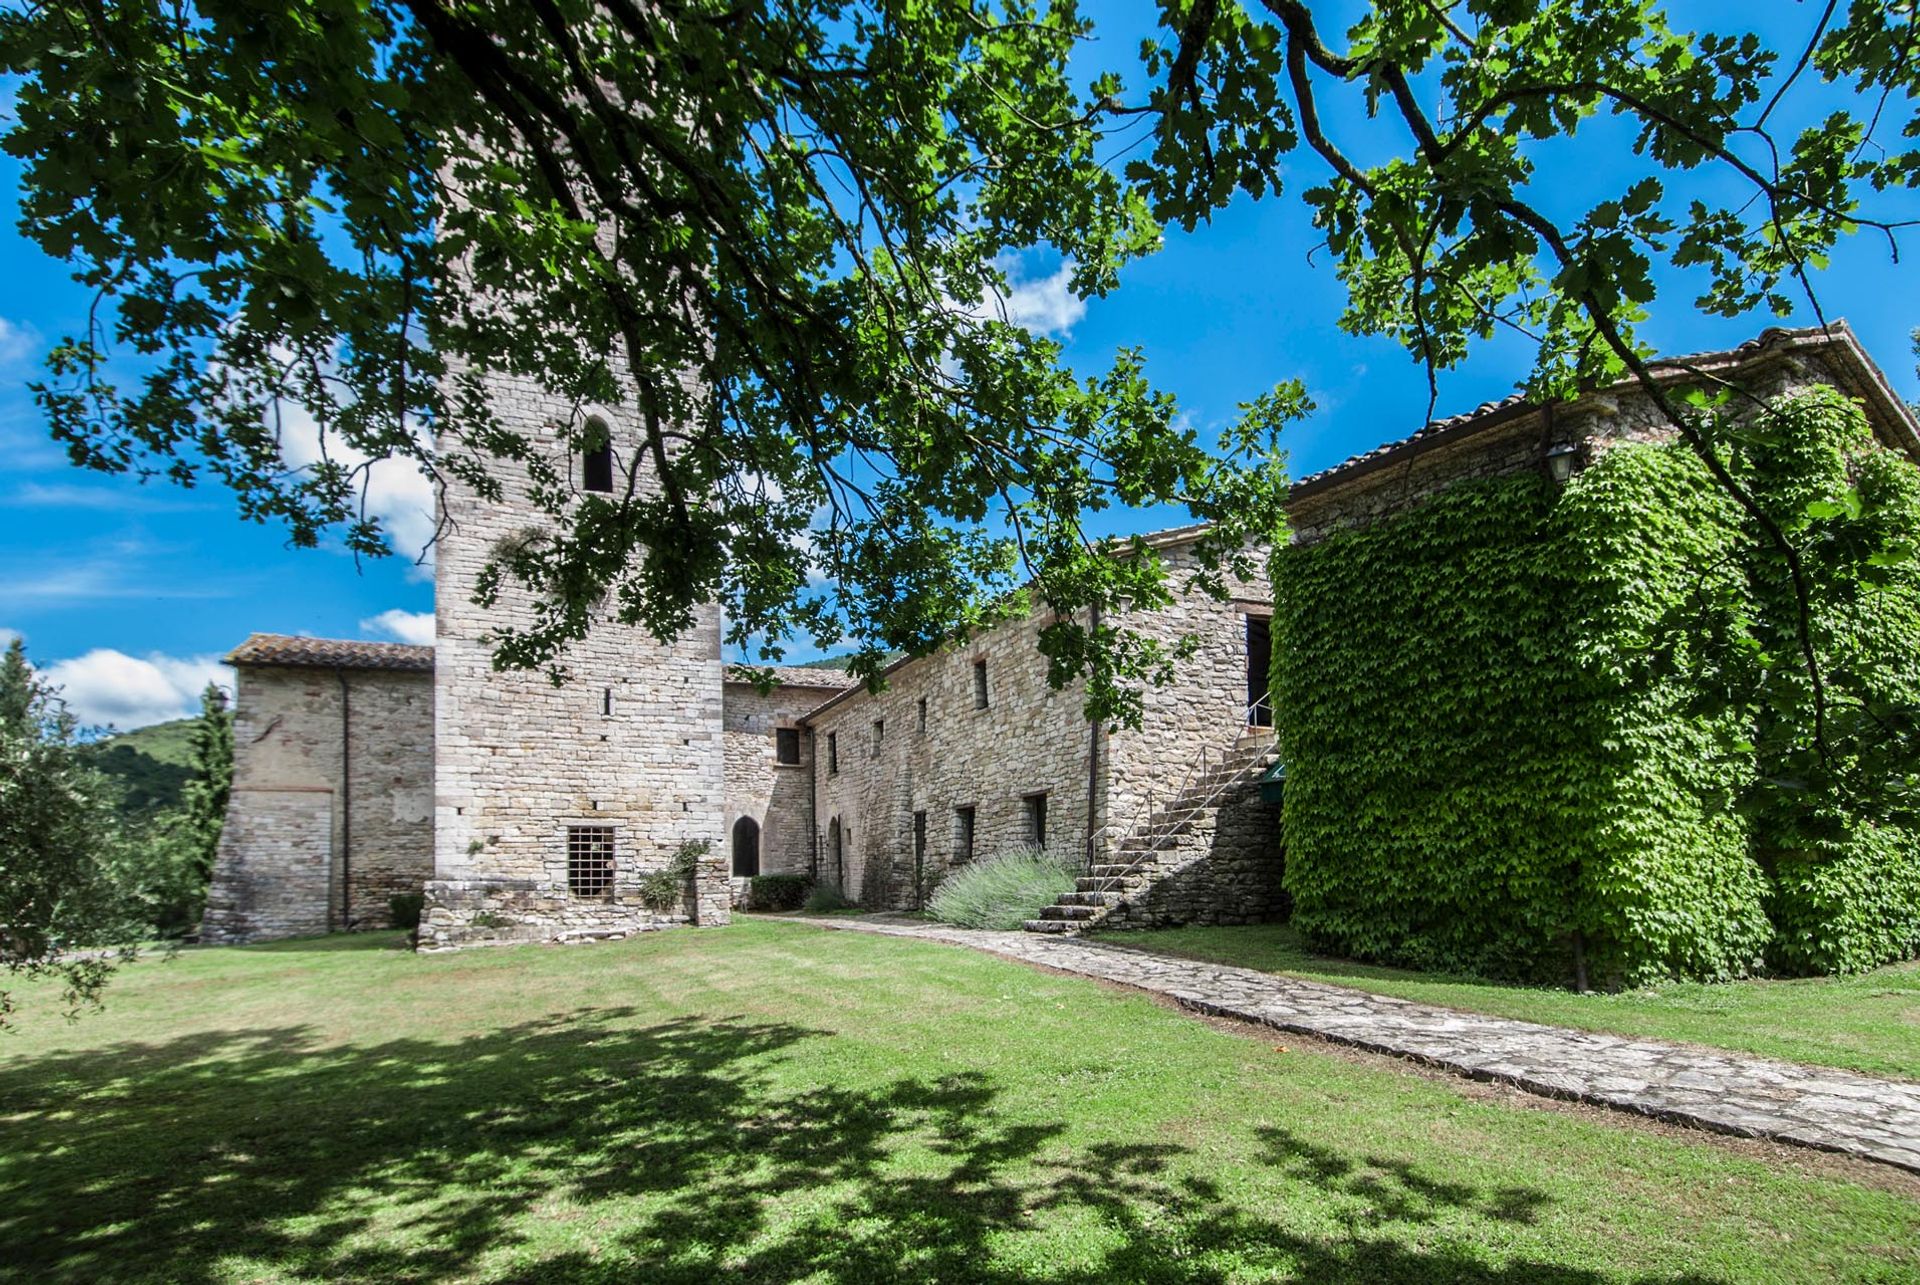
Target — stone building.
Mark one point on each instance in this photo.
(552, 806)
(332, 803)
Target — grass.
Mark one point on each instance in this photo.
(774, 1102)
(1869, 1023)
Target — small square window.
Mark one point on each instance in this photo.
(590, 860)
(979, 684)
(833, 751)
(786, 745)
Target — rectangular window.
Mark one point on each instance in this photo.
(919, 859)
(1259, 665)
(833, 751)
(979, 684)
(963, 834)
(923, 713)
(786, 745)
(590, 860)
(879, 735)
(606, 702)
(1037, 820)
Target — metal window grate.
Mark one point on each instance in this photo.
(590, 860)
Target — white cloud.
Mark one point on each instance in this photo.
(110, 687)
(396, 491)
(1044, 305)
(414, 627)
(18, 342)
(8, 635)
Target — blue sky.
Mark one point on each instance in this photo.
(128, 594)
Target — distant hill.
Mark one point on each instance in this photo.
(825, 662)
(153, 764)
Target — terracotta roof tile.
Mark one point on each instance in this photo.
(330, 653)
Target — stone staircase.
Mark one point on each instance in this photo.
(1167, 838)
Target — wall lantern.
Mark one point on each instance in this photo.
(1561, 462)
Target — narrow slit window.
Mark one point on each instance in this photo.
(923, 713)
(596, 461)
(963, 834)
(879, 735)
(786, 746)
(979, 684)
(833, 751)
(606, 702)
(1037, 820)
(590, 860)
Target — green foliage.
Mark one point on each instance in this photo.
(662, 889)
(778, 892)
(826, 896)
(152, 765)
(168, 861)
(404, 909)
(1001, 892)
(1519, 725)
(60, 846)
(374, 210)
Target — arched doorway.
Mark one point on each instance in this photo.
(746, 847)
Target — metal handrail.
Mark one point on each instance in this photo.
(1260, 711)
(1105, 883)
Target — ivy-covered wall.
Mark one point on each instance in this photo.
(1521, 728)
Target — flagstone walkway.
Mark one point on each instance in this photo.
(1727, 1092)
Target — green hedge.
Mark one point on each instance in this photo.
(1519, 722)
(778, 892)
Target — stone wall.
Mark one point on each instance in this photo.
(775, 797)
(1028, 741)
(1501, 441)
(1236, 879)
(632, 740)
(304, 849)
(1204, 712)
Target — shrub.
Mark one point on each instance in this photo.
(826, 895)
(660, 889)
(777, 892)
(1001, 892)
(404, 909)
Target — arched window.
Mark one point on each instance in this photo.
(746, 848)
(596, 463)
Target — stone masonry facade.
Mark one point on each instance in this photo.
(534, 784)
(331, 812)
(962, 755)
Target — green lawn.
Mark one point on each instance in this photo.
(777, 1102)
(1868, 1023)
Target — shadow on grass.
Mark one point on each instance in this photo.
(683, 1149)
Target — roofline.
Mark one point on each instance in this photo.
(1836, 337)
(397, 658)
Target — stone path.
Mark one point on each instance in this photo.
(1734, 1093)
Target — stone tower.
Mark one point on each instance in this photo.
(550, 803)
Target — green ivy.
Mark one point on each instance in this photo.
(1525, 725)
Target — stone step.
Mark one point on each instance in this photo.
(1089, 897)
(1077, 913)
(1048, 926)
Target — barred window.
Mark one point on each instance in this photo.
(590, 860)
